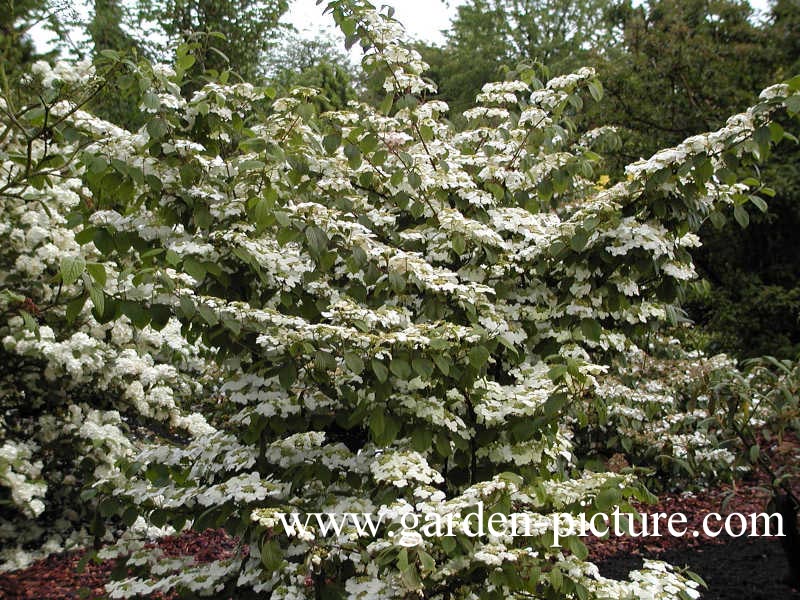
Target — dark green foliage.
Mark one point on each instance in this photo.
(17, 50)
(682, 66)
(488, 35)
(753, 306)
(232, 35)
(107, 30)
(317, 63)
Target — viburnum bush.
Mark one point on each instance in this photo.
(686, 419)
(246, 308)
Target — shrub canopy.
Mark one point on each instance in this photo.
(246, 307)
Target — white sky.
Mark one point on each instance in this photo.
(423, 19)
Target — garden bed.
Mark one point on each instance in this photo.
(742, 568)
(739, 569)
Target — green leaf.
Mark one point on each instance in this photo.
(426, 133)
(331, 142)
(458, 243)
(400, 368)
(157, 128)
(556, 578)
(159, 517)
(159, 316)
(741, 216)
(348, 26)
(72, 268)
(423, 367)
(271, 555)
(368, 143)
(591, 329)
(577, 547)
(136, 313)
(421, 439)
(104, 241)
(704, 171)
(354, 362)
(317, 240)
(287, 375)
(596, 90)
(478, 356)
(442, 363)
(74, 308)
(208, 315)
(380, 157)
(410, 577)
(85, 236)
(427, 562)
(793, 104)
(402, 559)
(607, 499)
(251, 165)
(754, 453)
(397, 282)
(130, 515)
(187, 307)
(377, 421)
(579, 240)
(556, 372)
(717, 219)
(98, 299)
(30, 323)
(254, 144)
(386, 104)
(353, 154)
(186, 62)
(97, 272)
(776, 132)
(759, 203)
(262, 213)
(380, 370)
(194, 268)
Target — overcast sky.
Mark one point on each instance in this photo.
(423, 19)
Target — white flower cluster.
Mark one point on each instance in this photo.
(22, 477)
(63, 73)
(402, 468)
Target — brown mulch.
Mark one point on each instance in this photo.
(58, 577)
(724, 500)
(747, 496)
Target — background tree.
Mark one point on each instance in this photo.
(17, 50)
(489, 35)
(318, 63)
(109, 29)
(248, 28)
(680, 67)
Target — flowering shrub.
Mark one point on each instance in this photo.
(656, 410)
(247, 307)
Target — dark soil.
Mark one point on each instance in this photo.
(740, 569)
